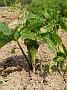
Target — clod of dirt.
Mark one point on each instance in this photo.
(12, 69)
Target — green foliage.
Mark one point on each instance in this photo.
(24, 2)
(7, 2)
(32, 48)
(5, 29)
(51, 10)
(6, 34)
(50, 14)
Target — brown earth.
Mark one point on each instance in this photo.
(15, 74)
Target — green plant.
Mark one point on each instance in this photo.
(6, 2)
(51, 15)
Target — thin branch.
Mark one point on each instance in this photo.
(30, 66)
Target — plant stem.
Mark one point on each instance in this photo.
(5, 3)
(30, 66)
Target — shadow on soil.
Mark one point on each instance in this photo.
(14, 61)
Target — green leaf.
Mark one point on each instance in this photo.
(59, 59)
(32, 47)
(26, 34)
(5, 29)
(63, 26)
(31, 43)
(60, 53)
(55, 38)
(50, 41)
(34, 22)
(4, 39)
(16, 35)
(6, 34)
(51, 45)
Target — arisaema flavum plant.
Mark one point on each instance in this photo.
(49, 14)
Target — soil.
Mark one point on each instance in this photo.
(14, 71)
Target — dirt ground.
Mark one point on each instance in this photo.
(17, 75)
